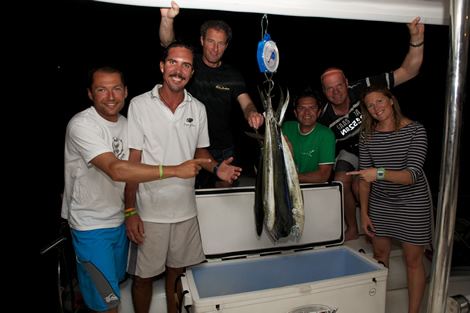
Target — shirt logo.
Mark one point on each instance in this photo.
(189, 122)
(112, 297)
(347, 125)
(118, 148)
(222, 88)
(308, 153)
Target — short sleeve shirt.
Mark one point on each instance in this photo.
(91, 199)
(312, 149)
(346, 127)
(218, 89)
(166, 138)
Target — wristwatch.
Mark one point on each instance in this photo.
(380, 173)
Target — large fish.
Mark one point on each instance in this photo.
(277, 193)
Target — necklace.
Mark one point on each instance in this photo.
(166, 103)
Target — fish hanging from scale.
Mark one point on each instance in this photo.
(278, 198)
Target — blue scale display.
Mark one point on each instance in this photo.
(268, 55)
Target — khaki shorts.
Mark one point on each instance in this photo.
(174, 245)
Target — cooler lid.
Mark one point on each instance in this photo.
(227, 221)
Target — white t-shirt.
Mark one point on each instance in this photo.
(91, 199)
(168, 139)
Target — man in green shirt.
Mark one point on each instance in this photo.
(313, 145)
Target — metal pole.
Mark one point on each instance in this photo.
(448, 186)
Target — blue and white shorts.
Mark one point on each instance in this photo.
(101, 264)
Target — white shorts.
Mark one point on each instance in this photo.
(174, 245)
(352, 162)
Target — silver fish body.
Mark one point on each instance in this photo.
(282, 199)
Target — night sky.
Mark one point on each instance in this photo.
(80, 35)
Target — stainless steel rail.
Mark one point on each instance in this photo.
(448, 186)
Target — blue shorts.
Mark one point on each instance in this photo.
(101, 265)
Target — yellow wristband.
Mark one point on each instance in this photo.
(161, 171)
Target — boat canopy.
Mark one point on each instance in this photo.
(400, 11)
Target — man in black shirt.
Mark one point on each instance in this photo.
(215, 83)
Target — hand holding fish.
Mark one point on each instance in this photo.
(227, 172)
(255, 119)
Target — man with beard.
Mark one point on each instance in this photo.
(167, 125)
(217, 85)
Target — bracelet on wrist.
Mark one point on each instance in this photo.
(416, 44)
(380, 173)
(129, 212)
(215, 169)
(160, 167)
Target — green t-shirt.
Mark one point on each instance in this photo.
(312, 149)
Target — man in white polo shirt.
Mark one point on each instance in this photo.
(95, 172)
(167, 125)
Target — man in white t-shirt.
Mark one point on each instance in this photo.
(167, 125)
(96, 169)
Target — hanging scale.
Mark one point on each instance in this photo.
(268, 54)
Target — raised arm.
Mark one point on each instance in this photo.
(166, 31)
(414, 58)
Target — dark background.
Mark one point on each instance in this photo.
(79, 35)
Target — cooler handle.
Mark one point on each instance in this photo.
(187, 299)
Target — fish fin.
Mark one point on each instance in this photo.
(284, 108)
(279, 107)
(263, 96)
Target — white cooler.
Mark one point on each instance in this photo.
(247, 273)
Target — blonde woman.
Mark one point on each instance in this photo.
(395, 201)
